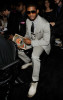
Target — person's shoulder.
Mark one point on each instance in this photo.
(27, 20)
(42, 19)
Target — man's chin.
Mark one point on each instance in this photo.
(32, 19)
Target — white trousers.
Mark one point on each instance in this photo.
(23, 56)
(37, 51)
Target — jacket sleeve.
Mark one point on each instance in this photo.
(45, 40)
(27, 31)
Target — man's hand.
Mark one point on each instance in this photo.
(52, 23)
(27, 41)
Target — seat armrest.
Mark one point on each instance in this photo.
(10, 65)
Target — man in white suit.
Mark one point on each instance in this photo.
(39, 39)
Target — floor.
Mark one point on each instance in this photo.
(50, 85)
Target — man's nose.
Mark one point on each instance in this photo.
(31, 14)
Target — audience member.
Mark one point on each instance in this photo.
(38, 37)
(11, 29)
(21, 17)
(48, 12)
(3, 25)
(16, 20)
(50, 15)
(58, 23)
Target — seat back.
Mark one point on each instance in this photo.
(8, 65)
(6, 72)
(13, 47)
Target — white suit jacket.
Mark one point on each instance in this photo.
(41, 31)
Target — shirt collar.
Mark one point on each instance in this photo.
(34, 20)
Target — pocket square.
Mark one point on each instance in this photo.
(22, 22)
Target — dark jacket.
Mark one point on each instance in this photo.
(14, 20)
(59, 21)
(12, 23)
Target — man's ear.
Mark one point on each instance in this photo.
(37, 11)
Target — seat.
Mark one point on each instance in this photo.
(8, 73)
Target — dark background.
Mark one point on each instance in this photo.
(9, 2)
(13, 2)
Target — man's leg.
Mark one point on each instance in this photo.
(25, 58)
(37, 51)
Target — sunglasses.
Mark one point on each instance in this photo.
(33, 12)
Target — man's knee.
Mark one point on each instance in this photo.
(35, 57)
